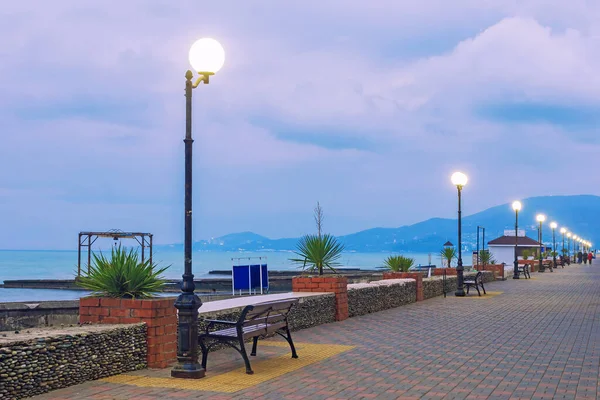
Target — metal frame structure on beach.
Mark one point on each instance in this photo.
(87, 239)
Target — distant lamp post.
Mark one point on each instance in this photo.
(554, 225)
(206, 57)
(569, 235)
(541, 218)
(459, 180)
(516, 206)
(563, 232)
(575, 238)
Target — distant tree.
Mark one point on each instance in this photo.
(319, 218)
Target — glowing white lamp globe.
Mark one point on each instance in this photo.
(553, 225)
(541, 218)
(207, 56)
(563, 230)
(516, 205)
(459, 179)
(569, 235)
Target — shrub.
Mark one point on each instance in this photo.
(317, 252)
(448, 254)
(398, 263)
(122, 276)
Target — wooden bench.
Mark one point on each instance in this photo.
(255, 320)
(524, 269)
(477, 281)
(548, 264)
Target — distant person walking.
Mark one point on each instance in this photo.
(579, 254)
(590, 257)
(585, 258)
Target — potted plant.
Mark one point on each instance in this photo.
(123, 276)
(398, 263)
(485, 257)
(448, 254)
(315, 254)
(124, 291)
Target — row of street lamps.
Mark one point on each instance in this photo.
(460, 180)
(207, 57)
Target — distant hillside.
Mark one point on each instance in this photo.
(575, 212)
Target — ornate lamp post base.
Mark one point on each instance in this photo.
(187, 353)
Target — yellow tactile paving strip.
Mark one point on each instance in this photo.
(473, 295)
(237, 380)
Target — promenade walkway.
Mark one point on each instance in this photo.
(528, 339)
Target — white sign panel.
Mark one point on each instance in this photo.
(511, 232)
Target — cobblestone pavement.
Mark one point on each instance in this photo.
(538, 339)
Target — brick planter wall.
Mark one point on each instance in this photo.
(417, 276)
(440, 271)
(497, 269)
(160, 316)
(328, 284)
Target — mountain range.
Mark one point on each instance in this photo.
(575, 212)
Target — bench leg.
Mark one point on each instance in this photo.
(245, 357)
(254, 344)
(483, 288)
(288, 338)
(478, 292)
(204, 353)
(291, 342)
(468, 286)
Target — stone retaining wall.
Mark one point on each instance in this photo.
(310, 311)
(366, 298)
(39, 361)
(433, 287)
(34, 314)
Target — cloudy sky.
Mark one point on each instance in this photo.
(366, 106)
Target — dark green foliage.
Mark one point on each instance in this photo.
(318, 252)
(122, 276)
(398, 263)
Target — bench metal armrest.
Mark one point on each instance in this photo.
(213, 322)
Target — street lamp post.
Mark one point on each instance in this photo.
(460, 180)
(554, 225)
(569, 235)
(563, 231)
(516, 206)
(575, 238)
(541, 218)
(206, 57)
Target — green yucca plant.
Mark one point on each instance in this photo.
(398, 263)
(122, 276)
(448, 254)
(317, 252)
(485, 257)
(525, 254)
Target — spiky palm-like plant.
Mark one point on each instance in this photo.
(317, 252)
(122, 275)
(448, 254)
(398, 263)
(525, 254)
(485, 257)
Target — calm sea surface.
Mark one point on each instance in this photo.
(17, 264)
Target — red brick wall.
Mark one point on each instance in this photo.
(498, 269)
(160, 316)
(440, 271)
(417, 276)
(327, 284)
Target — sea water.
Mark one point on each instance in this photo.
(46, 264)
